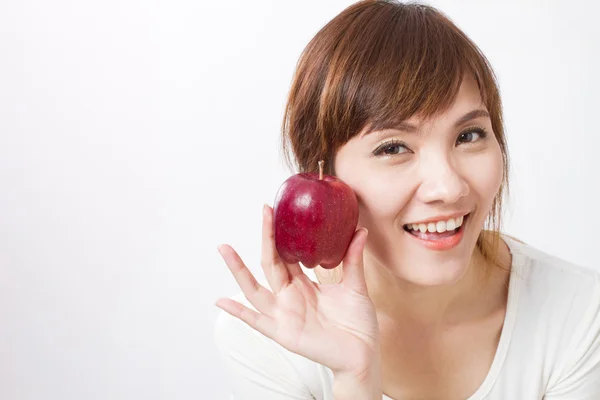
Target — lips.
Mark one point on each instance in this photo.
(439, 240)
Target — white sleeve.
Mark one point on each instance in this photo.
(580, 376)
(257, 367)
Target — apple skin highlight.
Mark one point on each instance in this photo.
(315, 217)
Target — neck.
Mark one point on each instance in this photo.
(400, 301)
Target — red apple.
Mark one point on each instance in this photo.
(315, 217)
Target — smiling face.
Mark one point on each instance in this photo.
(423, 176)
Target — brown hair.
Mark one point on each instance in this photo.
(380, 62)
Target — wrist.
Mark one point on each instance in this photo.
(363, 384)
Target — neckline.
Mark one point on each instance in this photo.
(514, 285)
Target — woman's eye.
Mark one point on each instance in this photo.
(391, 148)
(397, 147)
(471, 135)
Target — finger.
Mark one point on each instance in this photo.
(262, 323)
(259, 296)
(293, 269)
(277, 272)
(353, 274)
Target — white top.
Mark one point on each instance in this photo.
(549, 346)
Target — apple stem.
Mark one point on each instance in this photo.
(321, 169)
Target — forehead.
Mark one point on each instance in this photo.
(468, 98)
(469, 94)
(467, 105)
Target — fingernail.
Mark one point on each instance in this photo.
(220, 249)
(265, 209)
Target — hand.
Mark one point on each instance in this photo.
(334, 325)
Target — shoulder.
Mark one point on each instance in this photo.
(554, 298)
(557, 317)
(258, 366)
(550, 278)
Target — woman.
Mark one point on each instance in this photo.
(436, 303)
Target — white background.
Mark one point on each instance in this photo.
(135, 136)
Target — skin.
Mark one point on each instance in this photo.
(403, 320)
(435, 308)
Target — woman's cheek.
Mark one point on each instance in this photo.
(384, 196)
(486, 172)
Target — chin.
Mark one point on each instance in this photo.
(434, 274)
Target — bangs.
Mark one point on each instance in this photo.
(389, 66)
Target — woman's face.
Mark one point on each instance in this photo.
(440, 174)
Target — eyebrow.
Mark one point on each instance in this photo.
(409, 128)
(470, 116)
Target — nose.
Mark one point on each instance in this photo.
(441, 181)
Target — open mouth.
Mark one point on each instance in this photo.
(437, 230)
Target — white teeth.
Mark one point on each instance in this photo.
(451, 225)
(440, 226)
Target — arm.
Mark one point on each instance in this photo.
(367, 386)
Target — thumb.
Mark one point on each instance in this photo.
(353, 274)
